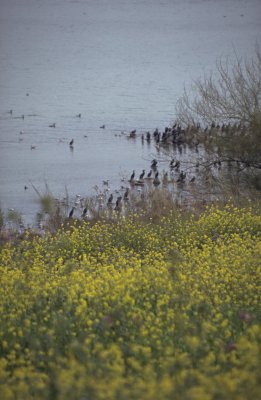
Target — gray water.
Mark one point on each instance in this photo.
(120, 63)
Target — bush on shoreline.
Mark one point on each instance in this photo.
(134, 309)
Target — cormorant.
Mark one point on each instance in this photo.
(110, 199)
(182, 177)
(118, 204)
(154, 164)
(118, 201)
(126, 194)
(84, 212)
(71, 213)
(171, 164)
(142, 174)
(132, 175)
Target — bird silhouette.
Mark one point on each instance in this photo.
(132, 175)
(118, 201)
(110, 199)
(142, 174)
(71, 213)
(154, 164)
(126, 194)
(84, 212)
(118, 204)
(71, 142)
(182, 177)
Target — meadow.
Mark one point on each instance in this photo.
(134, 308)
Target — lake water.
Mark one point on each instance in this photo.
(117, 62)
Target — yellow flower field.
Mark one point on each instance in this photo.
(134, 310)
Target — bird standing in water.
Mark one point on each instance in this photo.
(154, 164)
(84, 212)
(110, 199)
(132, 176)
(71, 212)
(142, 174)
(71, 142)
(118, 204)
(126, 194)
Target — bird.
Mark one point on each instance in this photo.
(52, 125)
(177, 165)
(110, 199)
(118, 204)
(71, 142)
(25, 187)
(71, 212)
(118, 201)
(154, 164)
(156, 174)
(102, 126)
(142, 174)
(182, 177)
(171, 164)
(132, 176)
(192, 179)
(84, 212)
(126, 194)
(149, 174)
(132, 133)
(79, 115)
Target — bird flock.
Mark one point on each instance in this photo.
(174, 135)
(117, 201)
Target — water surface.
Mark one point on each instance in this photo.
(118, 63)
